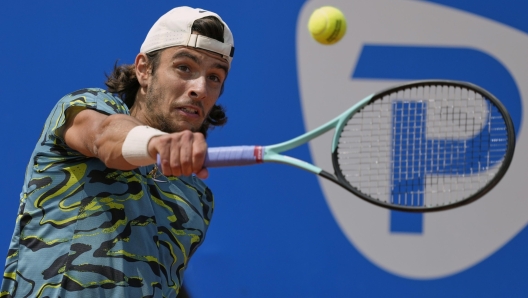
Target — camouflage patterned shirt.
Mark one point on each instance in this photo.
(85, 230)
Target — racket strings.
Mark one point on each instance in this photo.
(423, 146)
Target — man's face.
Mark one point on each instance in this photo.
(184, 88)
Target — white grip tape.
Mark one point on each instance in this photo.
(135, 146)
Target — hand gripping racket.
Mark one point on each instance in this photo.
(422, 146)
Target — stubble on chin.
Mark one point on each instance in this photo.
(161, 121)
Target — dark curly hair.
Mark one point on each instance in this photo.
(123, 82)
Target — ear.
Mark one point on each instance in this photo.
(142, 69)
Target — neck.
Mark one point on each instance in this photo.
(138, 109)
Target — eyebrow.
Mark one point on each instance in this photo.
(197, 61)
(185, 54)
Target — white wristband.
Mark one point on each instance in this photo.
(135, 146)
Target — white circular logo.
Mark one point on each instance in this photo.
(447, 242)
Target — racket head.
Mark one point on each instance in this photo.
(424, 146)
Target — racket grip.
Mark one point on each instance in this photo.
(231, 156)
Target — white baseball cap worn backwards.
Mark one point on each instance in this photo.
(175, 29)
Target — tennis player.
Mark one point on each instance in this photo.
(97, 217)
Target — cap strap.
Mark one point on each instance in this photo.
(206, 43)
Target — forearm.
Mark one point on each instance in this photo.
(97, 135)
(109, 138)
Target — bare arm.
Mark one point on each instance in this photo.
(97, 135)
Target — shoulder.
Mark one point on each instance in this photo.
(193, 180)
(195, 183)
(96, 98)
(198, 194)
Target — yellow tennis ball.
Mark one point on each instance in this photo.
(327, 25)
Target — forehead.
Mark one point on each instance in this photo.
(198, 55)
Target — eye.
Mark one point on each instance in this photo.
(184, 68)
(215, 78)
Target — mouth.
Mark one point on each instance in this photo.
(190, 111)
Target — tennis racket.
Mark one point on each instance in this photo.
(422, 146)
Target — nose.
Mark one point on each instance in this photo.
(198, 88)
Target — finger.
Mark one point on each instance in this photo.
(199, 152)
(186, 152)
(165, 163)
(160, 147)
(203, 173)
